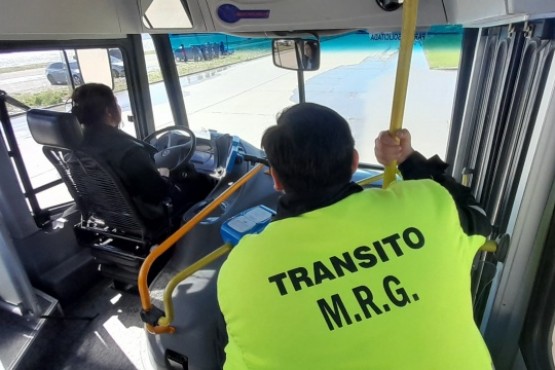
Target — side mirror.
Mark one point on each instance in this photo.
(296, 54)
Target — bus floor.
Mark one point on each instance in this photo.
(102, 330)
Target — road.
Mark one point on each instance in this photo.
(244, 99)
(33, 80)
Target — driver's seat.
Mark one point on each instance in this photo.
(110, 223)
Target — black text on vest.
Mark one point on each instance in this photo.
(335, 312)
(366, 256)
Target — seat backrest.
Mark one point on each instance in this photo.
(105, 205)
(56, 129)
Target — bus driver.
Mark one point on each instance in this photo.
(97, 109)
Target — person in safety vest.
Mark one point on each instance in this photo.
(346, 278)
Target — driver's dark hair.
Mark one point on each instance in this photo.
(310, 148)
(91, 101)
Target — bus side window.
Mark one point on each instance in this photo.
(46, 79)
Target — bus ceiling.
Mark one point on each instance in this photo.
(61, 19)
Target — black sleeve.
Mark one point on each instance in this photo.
(472, 217)
(142, 177)
(221, 339)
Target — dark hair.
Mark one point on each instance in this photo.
(312, 46)
(310, 148)
(91, 101)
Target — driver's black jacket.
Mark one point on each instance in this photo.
(133, 162)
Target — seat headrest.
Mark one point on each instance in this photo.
(58, 129)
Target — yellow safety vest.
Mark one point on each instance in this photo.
(379, 280)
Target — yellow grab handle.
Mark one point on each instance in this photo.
(489, 246)
(410, 10)
(184, 274)
(159, 329)
(172, 239)
(370, 180)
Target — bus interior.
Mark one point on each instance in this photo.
(201, 80)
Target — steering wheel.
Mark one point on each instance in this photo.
(175, 145)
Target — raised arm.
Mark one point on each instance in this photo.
(414, 166)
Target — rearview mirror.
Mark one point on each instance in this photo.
(296, 54)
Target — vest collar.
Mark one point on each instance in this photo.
(295, 204)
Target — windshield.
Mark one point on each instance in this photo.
(356, 78)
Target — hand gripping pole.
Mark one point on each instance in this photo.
(410, 10)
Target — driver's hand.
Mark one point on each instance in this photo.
(164, 172)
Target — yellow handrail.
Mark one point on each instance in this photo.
(410, 10)
(370, 180)
(172, 239)
(489, 246)
(184, 274)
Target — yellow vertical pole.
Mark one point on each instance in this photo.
(410, 11)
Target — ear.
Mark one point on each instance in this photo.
(354, 165)
(277, 182)
(109, 117)
(113, 115)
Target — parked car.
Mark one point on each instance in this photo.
(117, 67)
(57, 73)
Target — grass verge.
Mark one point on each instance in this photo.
(443, 52)
(56, 96)
(22, 68)
(43, 98)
